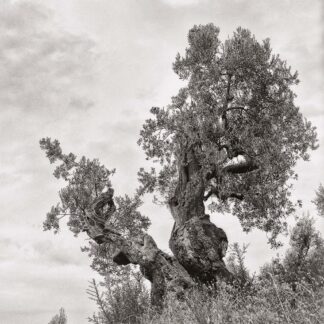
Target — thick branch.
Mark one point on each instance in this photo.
(223, 197)
(238, 196)
(164, 271)
(239, 164)
(228, 99)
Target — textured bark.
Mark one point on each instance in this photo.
(197, 243)
(187, 201)
(163, 271)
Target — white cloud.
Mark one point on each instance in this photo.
(41, 67)
(183, 3)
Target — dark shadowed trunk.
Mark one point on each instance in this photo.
(197, 243)
(164, 272)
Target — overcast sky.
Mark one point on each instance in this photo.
(87, 72)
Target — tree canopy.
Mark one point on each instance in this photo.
(237, 115)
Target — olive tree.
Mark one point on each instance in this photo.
(227, 142)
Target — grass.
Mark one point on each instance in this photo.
(264, 302)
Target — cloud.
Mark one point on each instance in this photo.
(41, 66)
(46, 75)
(16, 16)
(183, 3)
(45, 78)
(40, 273)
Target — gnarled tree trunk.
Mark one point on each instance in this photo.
(164, 272)
(197, 243)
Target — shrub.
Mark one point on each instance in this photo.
(59, 318)
(124, 302)
(267, 303)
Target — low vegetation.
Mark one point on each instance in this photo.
(287, 290)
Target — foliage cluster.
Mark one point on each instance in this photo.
(85, 180)
(122, 302)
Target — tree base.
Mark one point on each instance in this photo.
(199, 246)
